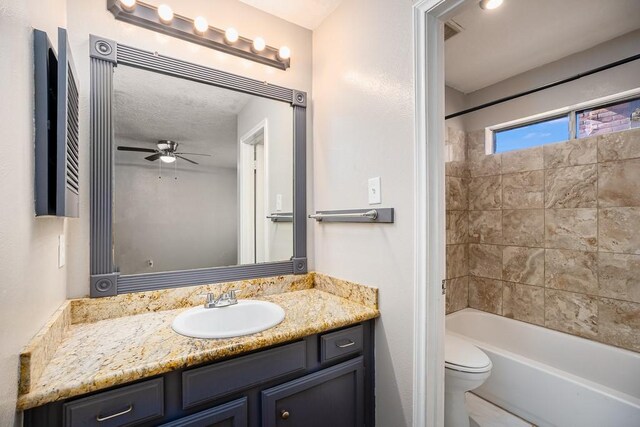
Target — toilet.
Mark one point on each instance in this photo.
(466, 368)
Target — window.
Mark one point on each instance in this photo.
(532, 135)
(599, 118)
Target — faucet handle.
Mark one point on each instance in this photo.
(211, 299)
(233, 294)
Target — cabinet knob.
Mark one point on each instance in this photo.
(284, 414)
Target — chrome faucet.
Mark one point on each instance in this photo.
(226, 299)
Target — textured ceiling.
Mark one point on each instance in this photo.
(306, 13)
(150, 106)
(525, 34)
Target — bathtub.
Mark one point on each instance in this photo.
(550, 378)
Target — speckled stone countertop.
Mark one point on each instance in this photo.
(94, 344)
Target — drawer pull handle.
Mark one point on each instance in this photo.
(108, 417)
(284, 414)
(347, 344)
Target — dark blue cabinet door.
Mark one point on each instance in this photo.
(232, 414)
(332, 397)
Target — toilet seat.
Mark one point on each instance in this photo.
(461, 355)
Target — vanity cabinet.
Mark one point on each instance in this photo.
(321, 380)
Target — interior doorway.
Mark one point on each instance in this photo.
(253, 189)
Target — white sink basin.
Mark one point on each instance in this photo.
(245, 318)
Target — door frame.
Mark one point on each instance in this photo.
(244, 151)
(430, 249)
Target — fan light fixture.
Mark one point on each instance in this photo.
(168, 158)
(490, 4)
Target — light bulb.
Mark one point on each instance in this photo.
(165, 13)
(168, 158)
(259, 44)
(490, 4)
(284, 53)
(128, 5)
(201, 25)
(231, 35)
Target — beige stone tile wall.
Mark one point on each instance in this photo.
(553, 234)
(458, 232)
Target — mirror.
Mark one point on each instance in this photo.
(203, 175)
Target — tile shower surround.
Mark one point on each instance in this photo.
(548, 235)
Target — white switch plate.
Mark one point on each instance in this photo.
(375, 197)
(62, 251)
(279, 202)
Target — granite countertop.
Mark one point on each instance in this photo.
(93, 344)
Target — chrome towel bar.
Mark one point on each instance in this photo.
(381, 215)
(281, 217)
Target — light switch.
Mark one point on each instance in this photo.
(279, 202)
(374, 191)
(62, 252)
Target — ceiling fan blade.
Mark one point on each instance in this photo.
(190, 161)
(142, 150)
(153, 157)
(195, 154)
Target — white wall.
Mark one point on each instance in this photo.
(31, 284)
(279, 168)
(606, 83)
(363, 127)
(183, 223)
(92, 17)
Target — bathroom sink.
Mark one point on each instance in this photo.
(244, 318)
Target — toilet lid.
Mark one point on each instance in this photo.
(461, 355)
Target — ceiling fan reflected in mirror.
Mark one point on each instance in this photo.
(166, 151)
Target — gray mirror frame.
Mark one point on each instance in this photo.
(105, 55)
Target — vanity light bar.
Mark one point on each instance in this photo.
(163, 20)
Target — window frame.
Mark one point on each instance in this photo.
(570, 111)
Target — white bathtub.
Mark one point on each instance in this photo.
(550, 378)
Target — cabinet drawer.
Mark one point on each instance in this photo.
(341, 343)
(232, 414)
(201, 385)
(122, 407)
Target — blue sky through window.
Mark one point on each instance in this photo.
(532, 135)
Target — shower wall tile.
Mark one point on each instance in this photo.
(485, 193)
(523, 265)
(457, 261)
(619, 323)
(485, 294)
(457, 227)
(523, 302)
(485, 227)
(455, 145)
(574, 271)
(456, 193)
(571, 153)
(619, 230)
(485, 261)
(619, 276)
(524, 190)
(571, 229)
(619, 145)
(523, 227)
(457, 169)
(487, 165)
(522, 160)
(619, 183)
(553, 234)
(573, 313)
(457, 296)
(571, 187)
